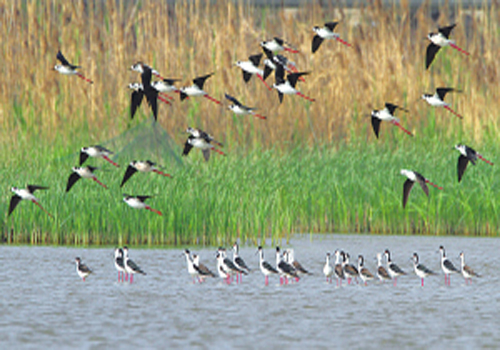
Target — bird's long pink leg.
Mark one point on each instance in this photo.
(131, 278)
(291, 50)
(304, 96)
(422, 282)
(401, 127)
(164, 94)
(218, 151)
(34, 201)
(262, 79)
(483, 159)
(161, 173)
(99, 182)
(266, 281)
(459, 49)
(452, 111)
(343, 42)
(80, 75)
(433, 184)
(109, 160)
(212, 99)
(163, 100)
(147, 207)
(259, 116)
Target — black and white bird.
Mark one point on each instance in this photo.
(82, 269)
(382, 273)
(466, 270)
(141, 67)
(439, 40)
(96, 152)
(67, 68)
(277, 44)
(193, 270)
(421, 270)
(467, 154)
(202, 140)
(447, 266)
(287, 87)
(86, 172)
(338, 269)
(265, 267)
(143, 166)
(26, 194)
(412, 177)
(203, 271)
(238, 260)
(394, 270)
(289, 255)
(237, 108)
(119, 264)
(251, 67)
(364, 273)
(437, 100)
(386, 114)
(130, 266)
(197, 89)
(328, 269)
(350, 270)
(138, 202)
(285, 269)
(325, 32)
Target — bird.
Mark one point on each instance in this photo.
(420, 270)
(119, 263)
(272, 61)
(166, 85)
(137, 96)
(338, 268)
(202, 269)
(265, 267)
(193, 270)
(220, 268)
(82, 269)
(290, 258)
(138, 202)
(438, 40)
(202, 140)
(67, 68)
(277, 44)
(327, 269)
(364, 273)
(238, 261)
(86, 172)
(141, 67)
(96, 152)
(413, 176)
(437, 100)
(27, 194)
(197, 89)
(285, 269)
(325, 32)
(394, 270)
(237, 108)
(466, 270)
(447, 266)
(130, 266)
(287, 87)
(143, 166)
(228, 266)
(251, 67)
(467, 155)
(386, 114)
(350, 270)
(382, 273)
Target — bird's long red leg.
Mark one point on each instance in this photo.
(483, 159)
(109, 160)
(343, 42)
(267, 280)
(291, 50)
(212, 99)
(262, 79)
(161, 173)
(452, 111)
(433, 184)
(147, 207)
(80, 75)
(304, 96)
(99, 182)
(459, 49)
(401, 127)
(163, 100)
(164, 94)
(42, 208)
(259, 116)
(218, 151)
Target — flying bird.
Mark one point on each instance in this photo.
(27, 194)
(197, 89)
(287, 87)
(325, 32)
(251, 67)
(96, 152)
(86, 172)
(138, 202)
(277, 44)
(437, 100)
(237, 108)
(386, 114)
(439, 40)
(145, 166)
(412, 177)
(67, 68)
(467, 155)
(200, 139)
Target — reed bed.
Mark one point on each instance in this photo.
(311, 167)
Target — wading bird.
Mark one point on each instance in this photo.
(82, 269)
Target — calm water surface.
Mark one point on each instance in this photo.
(44, 304)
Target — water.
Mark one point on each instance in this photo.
(44, 304)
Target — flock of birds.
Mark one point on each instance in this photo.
(289, 269)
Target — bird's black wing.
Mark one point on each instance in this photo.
(447, 30)
(421, 180)
(246, 76)
(135, 102)
(33, 188)
(232, 99)
(441, 92)
(74, 177)
(376, 125)
(279, 74)
(14, 201)
(206, 154)
(316, 42)
(461, 166)
(83, 157)
(267, 70)
(293, 77)
(200, 81)
(255, 59)
(187, 147)
(432, 50)
(331, 25)
(128, 173)
(406, 191)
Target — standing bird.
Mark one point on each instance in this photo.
(364, 273)
(438, 40)
(420, 270)
(143, 166)
(437, 100)
(200, 139)
(277, 44)
(82, 269)
(287, 87)
(26, 193)
(238, 260)
(413, 176)
(393, 269)
(202, 269)
(130, 266)
(86, 172)
(67, 68)
(386, 114)
(447, 266)
(96, 152)
(382, 273)
(290, 258)
(138, 202)
(467, 155)
(325, 32)
(119, 263)
(466, 270)
(265, 267)
(237, 108)
(285, 269)
(327, 269)
(338, 268)
(193, 270)
(251, 67)
(350, 270)
(197, 89)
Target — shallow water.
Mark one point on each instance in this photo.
(44, 304)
